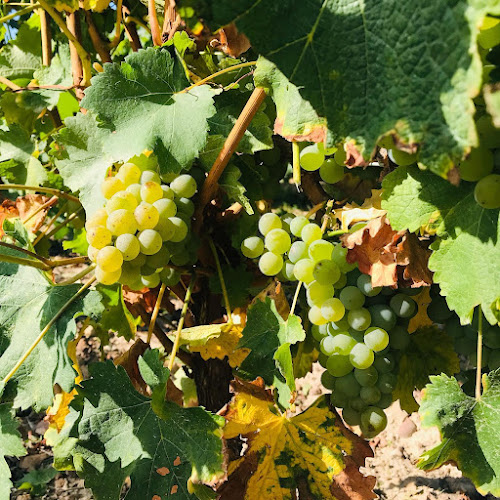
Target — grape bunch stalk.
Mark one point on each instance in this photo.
(143, 227)
(360, 330)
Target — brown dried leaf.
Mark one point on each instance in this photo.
(421, 319)
(29, 204)
(275, 292)
(353, 157)
(8, 210)
(129, 361)
(232, 42)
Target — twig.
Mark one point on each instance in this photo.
(46, 37)
(64, 222)
(47, 204)
(73, 24)
(479, 355)
(21, 261)
(99, 45)
(222, 281)
(171, 20)
(55, 88)
(153, 23)
(49, 325)
(11, 85)
(22, 187)
(27, 252)
(119, 14)
(180, 325)
(21, 12)
(218, 73)
(229, 147)
(156, 310)
(132, 35)
(77, 276)
(69, 261)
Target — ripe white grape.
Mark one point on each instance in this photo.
(311, 158)
(318, 293)
(168, 192)
(361, 356)
(180, 229)
(297, 224)
(150, 176)
(170, 276)
(339, 365)
(128, 245)
(121, 222)
(146, 215)
(304, 270)
(150, 241)
(184, 186)
(277, 241)
(477, 165)
(252, 247)
(122, 200)
(359, 319)
(298, 250)
(129, 173)
(315, 316)
(352, 297)
(343, 343)
(165, 228)
(287, 271)
(107, 277)
(135, 189)
(270, 264)
(109, 259)
(110, 186)
(373, 421)
(98, 218)
(160, 259)
(320, 250)
(331, 172)
(92, 253)
(98, 236)
(487, 192)
(151, 281)
(166, 208)
(332, 309)
(268, 222)
(326, 272)
(311, 232)
(376, 339)
(151, 192)
(185, 206)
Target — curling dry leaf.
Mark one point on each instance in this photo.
(389, 256)
(312, 452)
(369, 210)
(232, 42)
(25, 207)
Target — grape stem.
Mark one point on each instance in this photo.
(22, 187)
(296, 297)
(65, 222)
(479, 353)
(222, 282)
(177, 340)
(77, 276)
(156, 310)
(21, 12)
(296, 163)
(49, 325)
(337, 232)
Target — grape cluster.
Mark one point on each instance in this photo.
(317, 157)
(142, 228)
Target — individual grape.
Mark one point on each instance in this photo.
(494, 360)
(318, 332)
(359, 319)
(111, 186)
(128, 245)
(403, 306)
(168, 192)
(385, 401)
(146, 215)
(268, 222)
(185, 206)
(311, 158)
(184, 186)
(165, 228)
(331, 172)
(351, 416)
(135, 190)
(121, 222)
(151, 192)
(150, 241)
(326, 345)
(332, 309)
(383, 316)
(340, 156)
(339, 365)
(339, 257)
(304, 270)
(341, 282)
(487, 192)
(151, 281)
(364, 283)
(287, 271)
(477, 165)
(343, 343)
(315, 316)
(252, 247)
(130, 275)
(326, 272)
(180, 229)
(98, 236)
(121, 201)
(139, 261)
(270, 264)
(166, 208)
(361, 356)
(357, 404)
(366, 377)
(109, 259)
(92, 253)
(277, 241)
(327, 381)
(170, 276)
(107, 277)
(297, 225)
(401, 157)
(180, 259)
(348, 385)
(399, 338)
(160, 259)
(129, 173)
(384, 362)
(387, 382)
(376, 338)
(339, 399)
(150, 176)
(373, 421)
(438, 310)
(311, 232)
(352, 298)
(298, 251)
(320, 250)
(98, 218)
(370, 395)
(489, 36)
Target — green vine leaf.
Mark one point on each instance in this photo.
(419, 86)
(157, 443)
(150, 113)
(467, 254)
(469, 430)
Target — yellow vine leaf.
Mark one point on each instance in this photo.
(312, 453)
(421, 319)
(353, 213)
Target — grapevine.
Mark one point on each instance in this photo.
(224, 267)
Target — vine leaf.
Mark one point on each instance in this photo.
(296, 119)
(430, 352)
(11, 444)
(492, 98)
(27, 303)
(469, 429)
(467, 254)
(389, 256)
(356, 86)
(268, 337)
(312, 453)
(151, 113)
(158, 444)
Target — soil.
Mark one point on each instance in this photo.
(396, 449)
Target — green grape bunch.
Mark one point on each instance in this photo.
(143, 227)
